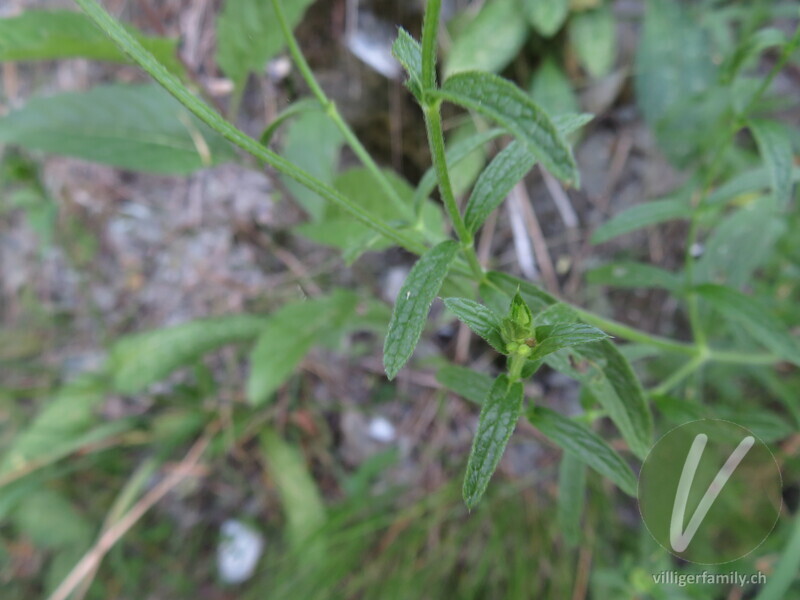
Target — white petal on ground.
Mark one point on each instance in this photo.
(239, 550)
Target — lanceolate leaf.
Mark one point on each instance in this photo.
(551, 338)
(48, 35)
(604, 370)
(467, 383)
(490, 41)
(629, 274)
(248, 34)
(506, 169)
(751, 315)
(775, 145)
(479, 319)
(454, 155)
(642, 215)
(288, 335)
(503, 102)
(585, 445)
(499, 416)
(594, 37)
(546, 16)
(413, 303)
(408, 51)
(571, 497)
(141, 359)
(139, 127)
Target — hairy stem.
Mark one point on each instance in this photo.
(211, 118)
(331, 110)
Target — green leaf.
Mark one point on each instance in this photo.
(757, 42)
(460, 150)
(546, 16)
(52, 522)
(507, 168)
(629, 274)
(593, 35)
(602, 368)
(585, 445)
(300, 497)
(673, 61)
(248, 34)
(288, 335)
(49, 35)
(642, 215)
(464, 173)
(754, 317)
(551, 88)
(499, 415)
(571, 498)
(732, 253)
(296, 108)
(139, 127)
(743, 183)
(468, 384)
(413, 303)
(137, 361)
(512, 109)
(775, 146)
(479, 319)
(64, 419)
(409, 53)
(490, 41)
(552, 338)
(534, 296)
(313, 143)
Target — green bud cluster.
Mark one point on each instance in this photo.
(517, 329)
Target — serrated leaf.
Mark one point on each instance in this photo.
(754, 317)
(571, 497)
(546, 16)
(775, 146)
(296, 108)
(490, 41)
(479, 319)
(673, 61)
(642, 215)
(594, 37)
(507, 168)
(585, 445)
(141, 359)
(456, 153)
(552, 338)
(288, 335)
(139, 127)
(602, 368)
(512, 109)
(468, 384)
(413, 303)
(48, 35)
(499, 415)
(629, 274)
(409, 53)
(248, 34)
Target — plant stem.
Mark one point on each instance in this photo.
(331, 110)
(687, 369)
(433, 123)
(634, 335)
(430, 31)
(742, 358)
(206, 114)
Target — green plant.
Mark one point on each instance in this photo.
(371, 208)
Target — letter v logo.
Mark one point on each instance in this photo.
(680, 540)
